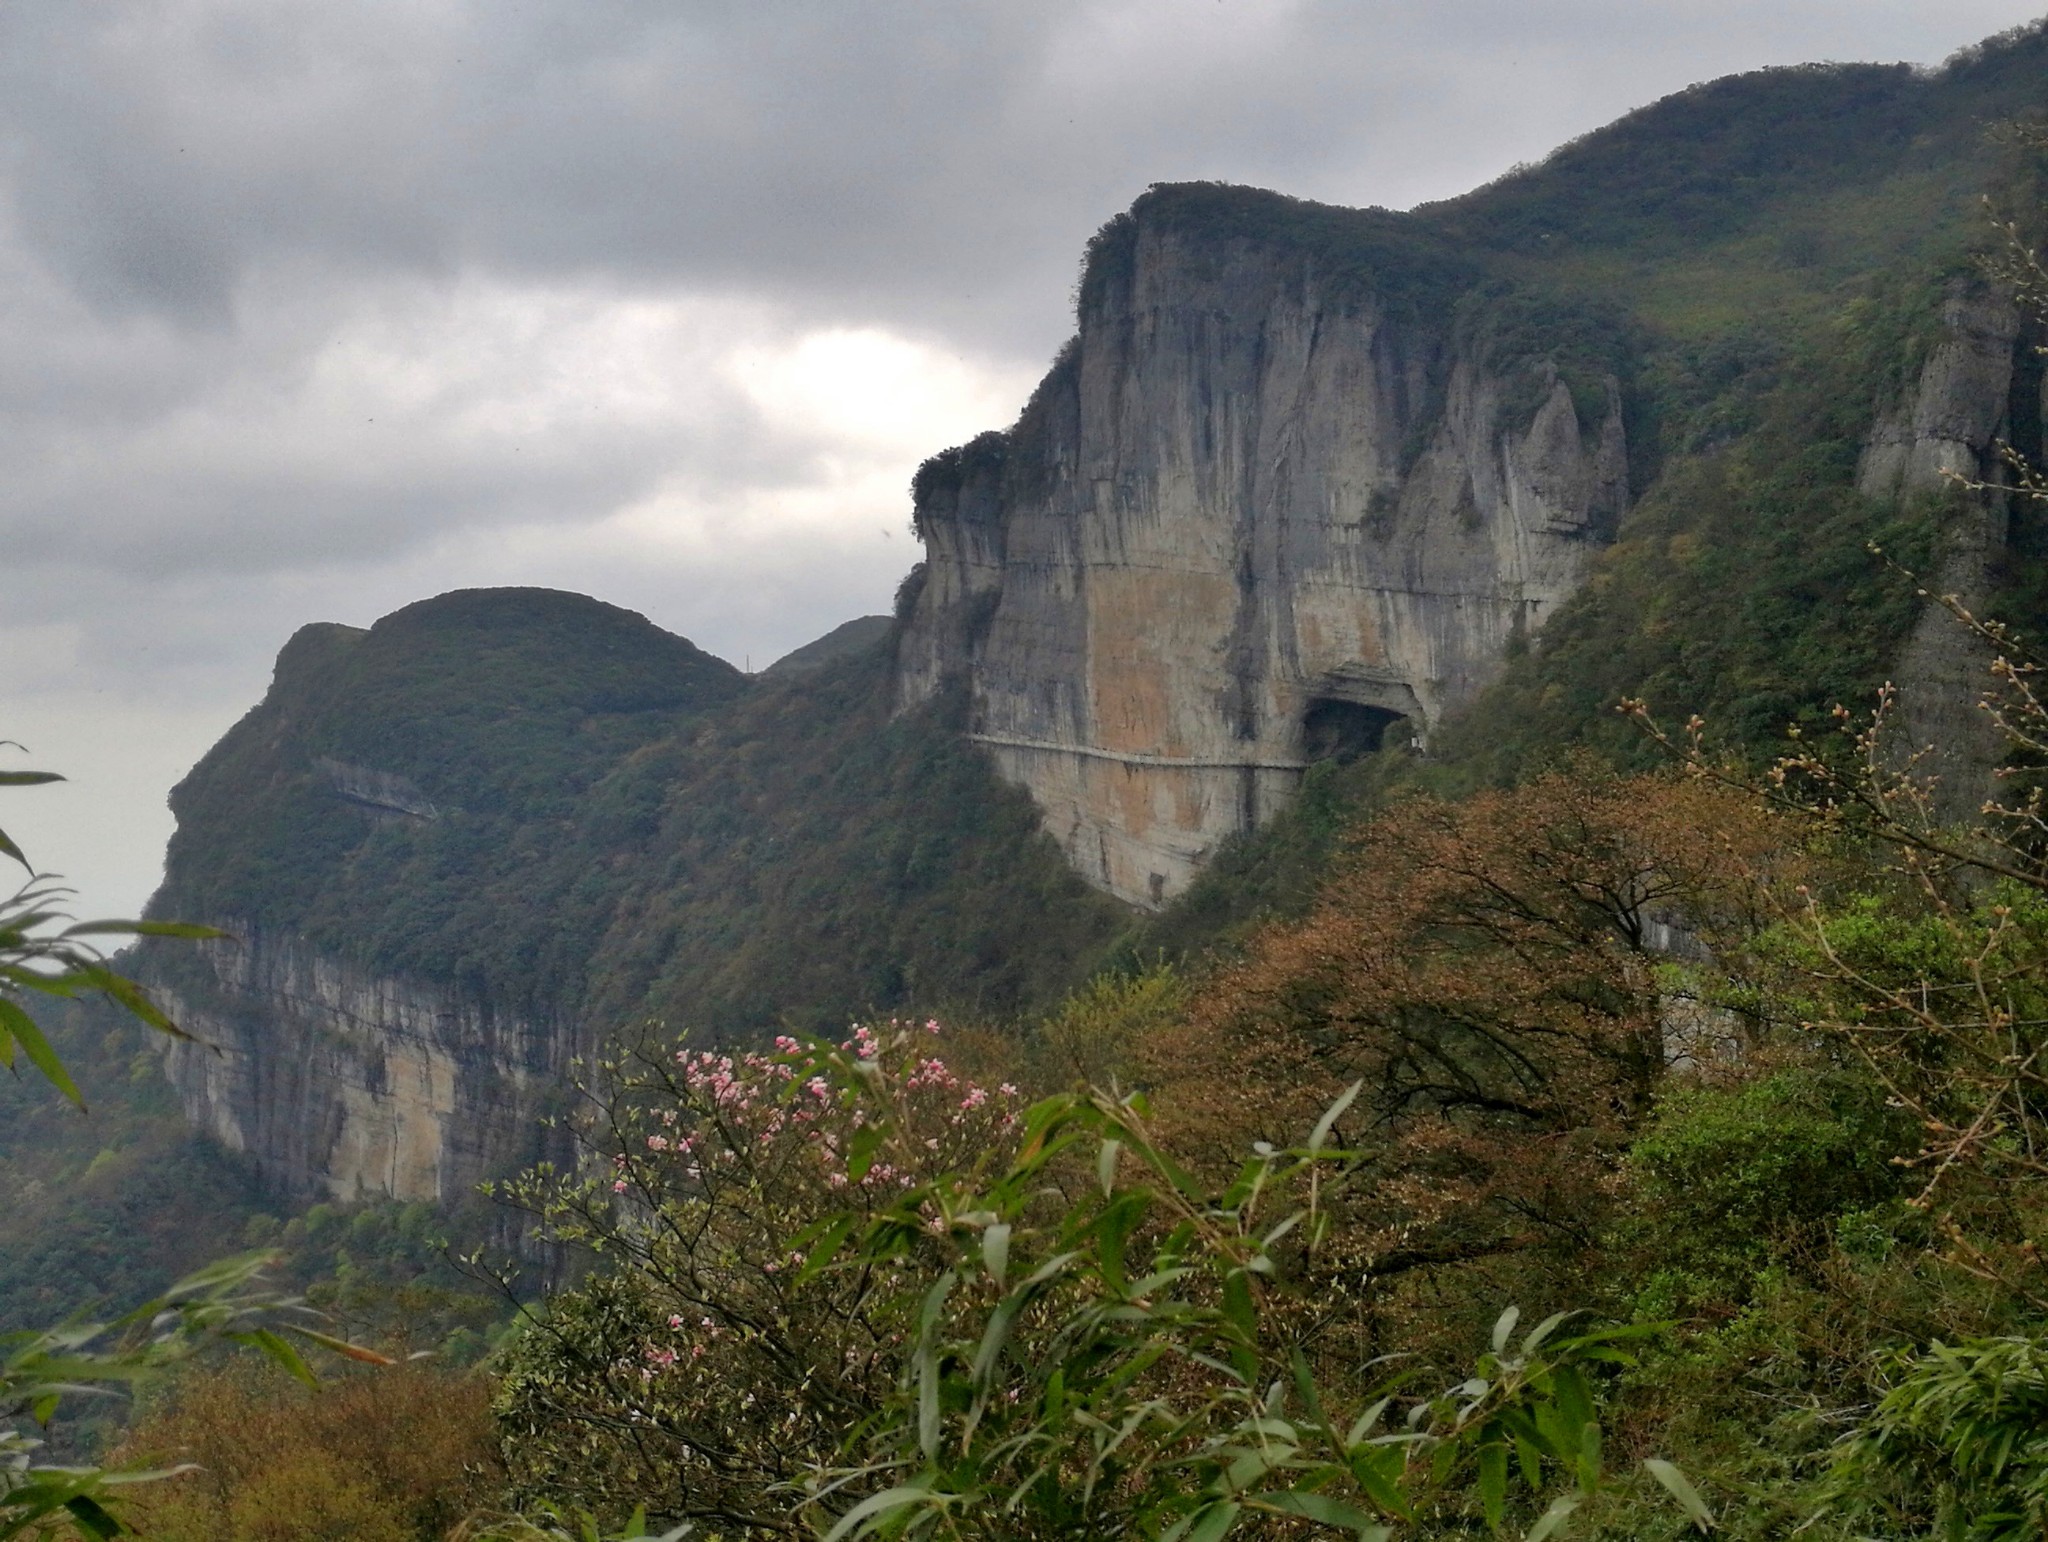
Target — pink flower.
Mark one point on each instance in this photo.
(619, 1186)
(674, 1321)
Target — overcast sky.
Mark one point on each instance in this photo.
(311, 308)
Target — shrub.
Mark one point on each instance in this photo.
(1726, 1178)
(400, 1454)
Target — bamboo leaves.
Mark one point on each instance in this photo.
(1135, 1383)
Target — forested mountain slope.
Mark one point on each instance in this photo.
(1626, 403)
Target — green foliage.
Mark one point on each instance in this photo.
(42, 1370)
(948, 472)
(389, 796)
(1357, 255)
(1114, 1367)
(1957, 1447)
(621, 825)
(847, 1282)
(1093, 1037)
(814, 856)
(1727, 1180)
(399, 1453)
(1745, 150)
(1586, 339)
(106, 1208)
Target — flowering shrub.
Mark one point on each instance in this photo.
(703, 1364)
(854, 1293)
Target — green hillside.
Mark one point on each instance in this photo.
(610, 822)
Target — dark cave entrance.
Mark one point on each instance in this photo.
(1344, 731)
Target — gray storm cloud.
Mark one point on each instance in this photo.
(309, 310)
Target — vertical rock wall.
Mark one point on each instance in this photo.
(346, 1083)
(1244, 496)
(1943, 437)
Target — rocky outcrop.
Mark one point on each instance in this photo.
(380, 792)
(343, 1083)
(1958, 409)
(1255, 514)
(1942, 437)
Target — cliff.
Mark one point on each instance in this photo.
(346, 1082)
(1975, 393)
(1308, 480)
(1256, 515)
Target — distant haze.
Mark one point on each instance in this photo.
(309, 311)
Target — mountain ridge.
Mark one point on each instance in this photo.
(1605, 456)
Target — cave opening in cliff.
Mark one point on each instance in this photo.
(1344, 731)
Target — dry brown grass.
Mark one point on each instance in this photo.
(399, 1454)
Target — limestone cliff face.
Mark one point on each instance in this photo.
(1972, 395)
(369, 835)
(342, 1082)
(1251, 516)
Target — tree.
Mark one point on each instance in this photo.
(702, 1370)
(1507, 978)
(853, 1293)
